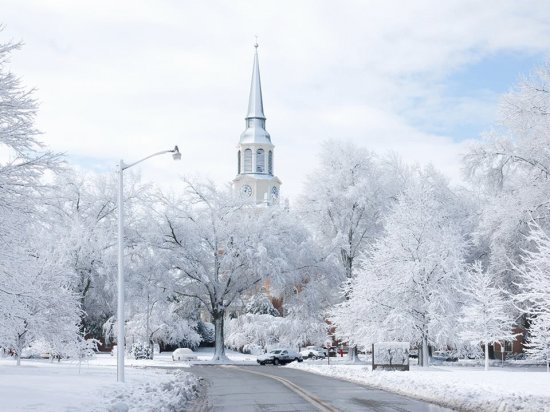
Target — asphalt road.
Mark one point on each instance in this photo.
(271, 388)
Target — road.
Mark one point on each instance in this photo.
(271, 388)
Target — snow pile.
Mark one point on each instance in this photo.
(169, 394)
(42, 386)
(467, 389)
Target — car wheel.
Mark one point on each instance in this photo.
(275, 361)
(299, 360)
(262, 363)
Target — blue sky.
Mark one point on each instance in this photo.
(484, 80)
(125, 79)
(494, 72)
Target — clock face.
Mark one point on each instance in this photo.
(246, 190)
(274, 192)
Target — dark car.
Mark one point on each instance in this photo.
(279, 356)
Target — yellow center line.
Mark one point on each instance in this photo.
(312, 399)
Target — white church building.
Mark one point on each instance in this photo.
(255, 152)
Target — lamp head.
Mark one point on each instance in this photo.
(176, 155)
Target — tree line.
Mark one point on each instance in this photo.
(381, 249)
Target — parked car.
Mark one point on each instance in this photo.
(413, 353)
(444, 356)
(313, 352)
(279, 356)
(183, 354)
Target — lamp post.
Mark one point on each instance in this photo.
(120, 304)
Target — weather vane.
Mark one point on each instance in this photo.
(256, 44)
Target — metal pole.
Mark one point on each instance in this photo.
(120, 307)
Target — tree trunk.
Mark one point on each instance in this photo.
(219, 352)
(486, 356)
(147, 327)
(19, 346)
(424, 352)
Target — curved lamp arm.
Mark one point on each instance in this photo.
(176, 155)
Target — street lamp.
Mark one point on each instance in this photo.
(120, 307)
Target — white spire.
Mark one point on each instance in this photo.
(255, 102)
(255, 119)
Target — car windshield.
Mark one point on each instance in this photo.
(276, 351)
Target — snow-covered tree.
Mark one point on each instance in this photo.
(348, 196)
(221, 247)
(261, 304)
(538, 342)
(261, 332)
(405, 290)
(486, 316)
(163, 324)
(534, 295)
(82, 214)
(24, 159)
(253, 333)
(42, 305)
(36, 301)
(512, 167)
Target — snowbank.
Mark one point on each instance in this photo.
(162, 393)
(468, 389)
(43, 386)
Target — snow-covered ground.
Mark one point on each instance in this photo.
(39, 385)
(460, 386)
(151, 385)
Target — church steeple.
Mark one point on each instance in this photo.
(255, 155)
(255, 101)
(255, 119)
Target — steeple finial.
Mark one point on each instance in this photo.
(255, 101)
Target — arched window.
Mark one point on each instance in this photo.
(239, 162)
(270, 163)
(260, 161)
(248, 161)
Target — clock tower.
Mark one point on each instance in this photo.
(255, 152)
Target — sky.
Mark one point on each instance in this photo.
(124, 79)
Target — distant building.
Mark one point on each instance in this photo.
(255, 152)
